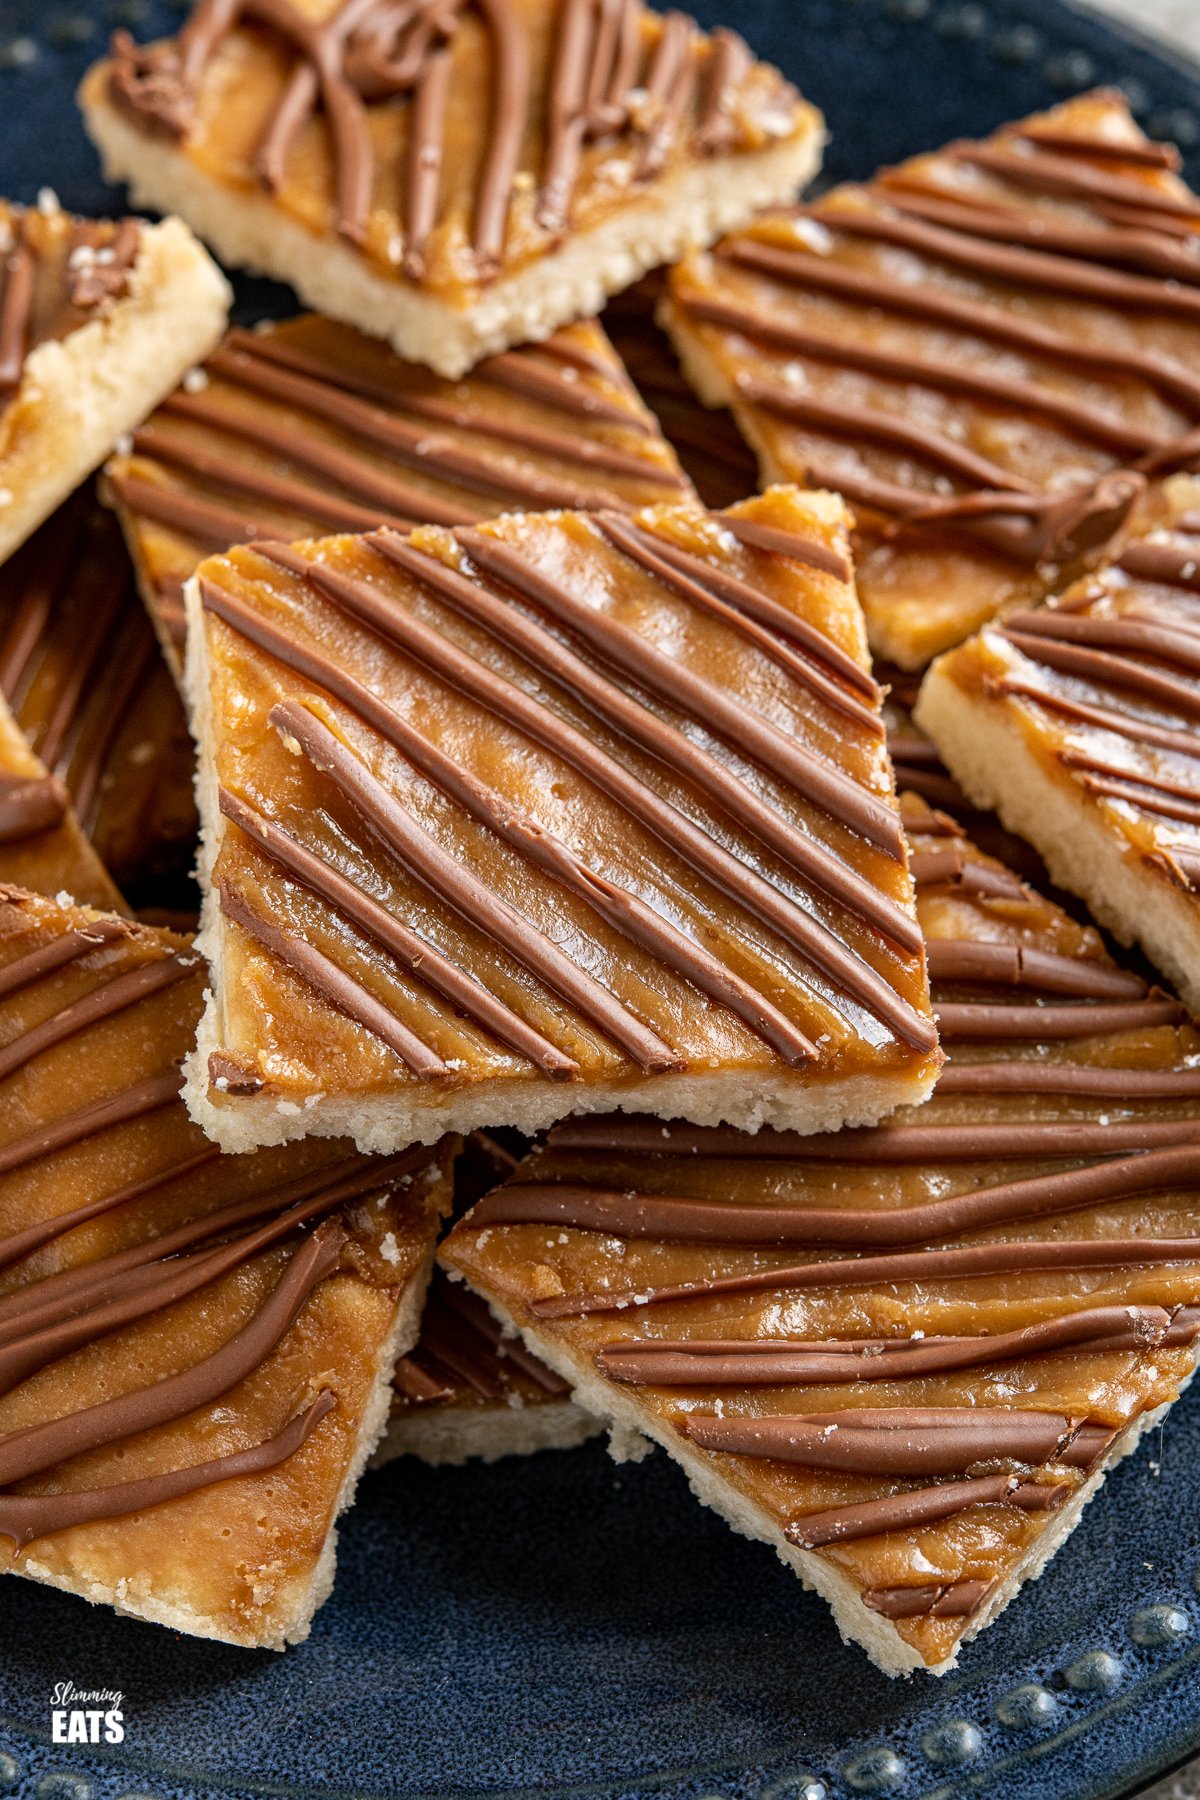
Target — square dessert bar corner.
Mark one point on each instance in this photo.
(1078, 722)
(458, 180)
(990, 350)
(557, 812)
(197, 1349)
(98, 321)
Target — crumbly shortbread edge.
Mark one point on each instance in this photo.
(688, 208)
(446, 1436)
(102, 379)
(984, 747)
(856, 1623)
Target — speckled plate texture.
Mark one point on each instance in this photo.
(562, 1626)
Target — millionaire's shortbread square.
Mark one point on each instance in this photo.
(556, 812)
(904, 1357)
(1079, 721)
(308, 427)
(989, 350)
(98, 321)
(196, 1350)
(453, 179)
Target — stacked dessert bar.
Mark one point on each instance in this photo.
(581, 908)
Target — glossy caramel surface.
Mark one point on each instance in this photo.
(542, 1274)
(295, 1042)
(233, 1560)
(926, 584)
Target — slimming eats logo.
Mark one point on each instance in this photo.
(92, 1716)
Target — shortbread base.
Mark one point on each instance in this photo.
(855, 1621)
(448, 1435)
(986, 751)
(79, 393)
(688, 208)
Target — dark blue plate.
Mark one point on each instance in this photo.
(560, 1626)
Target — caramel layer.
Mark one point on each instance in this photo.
(176, 1326)
(309, 427)
(451, 145)
(975, 350)
(639, 832)
(866, 1338)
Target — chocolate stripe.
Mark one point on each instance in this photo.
(916, 1508)
(975, 318)
(25, 1518)
(426, 146)
(471, 898)
(66, 948)
(966, 1022)
(30, 804)
(940, 1441)
(625, 912)
(974, 1262)
(338, 989)
(942, 1600)
(40, 1447)
(973, 381)
(412, 952)
(1133, 635)
(306, 1198)
(643, 550)
(1144, 155)
(883, 1146)
(564, 446)
(19, 1244)
(813, 777)
(668, 824)
(813, 860)
(408, 443)
(1138, 248)
(1062, 175)
(684, 1219)
(116, 1109)
(746, 598)
(1096, 1082)
(1008, 263)
(1173, 564)
(1016, 965)
(777, 1362)
(1188, 813)
(102, 1003)
(202, 520)
(566, 111)
(1105, 670)
(1185, 743)
(307, 502)
(892, 431)
(379, 489)
(529, 372)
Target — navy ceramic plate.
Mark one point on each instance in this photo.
(561, 1626)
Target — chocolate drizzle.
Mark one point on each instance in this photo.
(89, 262)
(905, 1441)
(385, 50)
(981, 265)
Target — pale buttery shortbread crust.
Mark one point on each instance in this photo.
(547, 159)
(1050, 1189)
(189, 1307)
(1079, 723)
(299, 429)
(988, 350)
(467, 1392)
(73, 395)
(541, 817)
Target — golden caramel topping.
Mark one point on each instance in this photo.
(894, 1353)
